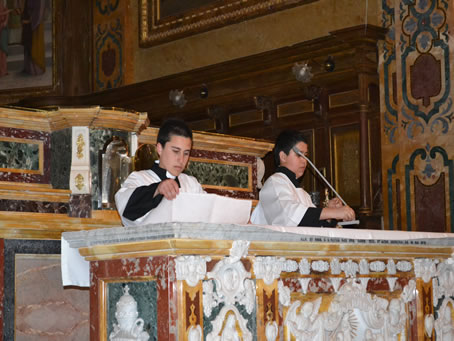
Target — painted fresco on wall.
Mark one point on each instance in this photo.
(26, 44)
(163, 21)
(108, 63)
(417, 115)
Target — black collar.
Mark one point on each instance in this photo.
(162, 173)
(290, 175)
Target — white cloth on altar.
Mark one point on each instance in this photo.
(75, 270)
(281, 203)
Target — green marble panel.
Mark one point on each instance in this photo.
(219, 174)
(18, 155)
(145, 294)
(60, 158)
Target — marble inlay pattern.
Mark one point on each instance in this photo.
(153, 274)
(34, 285)
(60, 158)
(80, 206)
(34, 206)
(47, 311)
(234, 158)
(219, 174)
(24, 157)
(145, 294)
(19, 155)
(98, 140)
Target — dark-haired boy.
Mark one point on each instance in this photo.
(281, 200)
(144, 190)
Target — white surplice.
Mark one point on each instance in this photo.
(188, 184)
(281, 203)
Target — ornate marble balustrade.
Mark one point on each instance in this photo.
(187, 281)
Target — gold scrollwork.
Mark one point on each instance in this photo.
(80, 146)
(79, 179)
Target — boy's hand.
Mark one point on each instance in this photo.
(335, 203)
(347, 213)
(168, 188)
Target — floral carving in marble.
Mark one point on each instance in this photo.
(350, 268)
(239, 250)
(191, 269)
(391, 267)
(426, 268)
(377, 266)
(320, 266)
(304, 266)
(270, 268)
(404, 266)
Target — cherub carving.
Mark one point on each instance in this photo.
(307, 324)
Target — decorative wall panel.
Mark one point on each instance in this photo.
(416, 112)
(108, 44)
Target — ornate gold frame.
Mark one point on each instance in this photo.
(156, 29)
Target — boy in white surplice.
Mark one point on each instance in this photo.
(281, 200)
(143, 191)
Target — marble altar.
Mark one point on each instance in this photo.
(199, 281)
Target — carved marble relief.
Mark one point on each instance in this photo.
(132, 311)
(130, 325)
(231, 288)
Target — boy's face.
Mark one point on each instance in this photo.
(174, 156)
(295, 163)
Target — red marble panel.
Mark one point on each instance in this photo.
(46, 311)
(161, 268)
